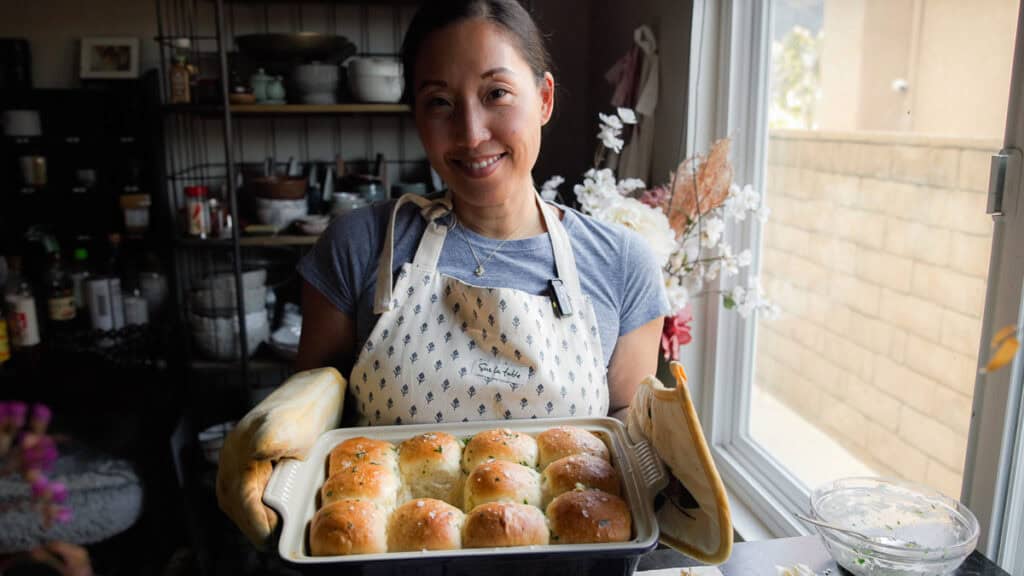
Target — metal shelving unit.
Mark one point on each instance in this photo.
(211, 141)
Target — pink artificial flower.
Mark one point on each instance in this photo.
(58, 492)
(5, 414)
(63, 515)
(676, 333)
(40, 418)
(17, 410)
(40, 487)
(656, 197)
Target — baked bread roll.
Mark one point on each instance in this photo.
(501, 481)
(588, 516)
(499, 444)
(348, 527)
(372, 482)
(504, 524)
(562, 441)
(359, 450)
(425, 524)
(430, 466)
(579, 471)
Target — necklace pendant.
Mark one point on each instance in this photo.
(479, 270)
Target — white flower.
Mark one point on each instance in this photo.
(549, 189)
(763, 213)
(609, 138)
(678, 296)
(650, 223)
(751, 299)
(744, 258)
(610, 121)
(730, 263)
(630, 184)
(691, 249)
(712, 270)
(597, 191)
(734, 205)
(694, 281)
(751, 199)
(628, 116)
(711, 232)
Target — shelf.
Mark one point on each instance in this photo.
(261, 364)
(289, 109)
(250, 241)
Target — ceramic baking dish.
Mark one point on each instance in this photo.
(294, 485)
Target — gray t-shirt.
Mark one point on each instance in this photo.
(617, 270)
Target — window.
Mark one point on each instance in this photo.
(869, 126)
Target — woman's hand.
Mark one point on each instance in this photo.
(635, 358)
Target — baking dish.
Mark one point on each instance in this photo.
(294, 484)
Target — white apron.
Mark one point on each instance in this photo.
(446, 351)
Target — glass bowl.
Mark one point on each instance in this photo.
(908, 529)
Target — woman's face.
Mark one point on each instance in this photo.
(479, 111)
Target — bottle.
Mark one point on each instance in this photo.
(180, 73)
(60, 298)
(5, 343)
(79, 276)
(114, 271)
(21, 309)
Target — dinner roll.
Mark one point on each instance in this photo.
(504, 524)
(578, 471)
(358, 450)
(499, 444)
(430, 466)
(501, 481)
(373, 482)
(588, 516)
(562, 441)
(348, 527)
(425, 524)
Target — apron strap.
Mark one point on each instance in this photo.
(431, 209)
(561, 246)
(429, 250)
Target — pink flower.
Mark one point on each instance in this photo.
(63, 515)
(40, 418)
(656, 197)
(676, 333)
(58, 492)
(17, 410)
(40, 487)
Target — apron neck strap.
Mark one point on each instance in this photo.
(429, 251)
(431, 210)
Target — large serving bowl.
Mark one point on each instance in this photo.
(910, 529)
(375, 79)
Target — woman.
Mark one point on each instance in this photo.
(486, 303)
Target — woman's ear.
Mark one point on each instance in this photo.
(547, 97)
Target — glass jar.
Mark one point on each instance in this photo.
(197, 210)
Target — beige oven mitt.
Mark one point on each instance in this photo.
(692, 511)
(284, 425)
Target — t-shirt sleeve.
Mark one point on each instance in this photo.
(643, 289)
(343, 257)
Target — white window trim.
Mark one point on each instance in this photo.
(728, 63)
(729, 58)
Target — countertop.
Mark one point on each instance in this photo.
(761, 557)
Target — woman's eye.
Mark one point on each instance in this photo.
(498, 93)
(436, 102)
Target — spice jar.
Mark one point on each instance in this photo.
(198, 210)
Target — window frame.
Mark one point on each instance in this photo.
(728, 93)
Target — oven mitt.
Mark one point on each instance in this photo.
(284, 425)
(692, 511)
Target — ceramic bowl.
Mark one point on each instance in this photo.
(316, 83)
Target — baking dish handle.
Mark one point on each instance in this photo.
(651, 469)
(280, 486)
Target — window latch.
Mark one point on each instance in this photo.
(1004, 176)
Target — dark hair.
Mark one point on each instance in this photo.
(510, 15)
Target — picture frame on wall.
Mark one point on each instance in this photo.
(109, 58)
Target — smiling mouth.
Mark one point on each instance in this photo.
(481, 166)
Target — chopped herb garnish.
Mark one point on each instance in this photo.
(525, 501)
(350, 526)
(330, 493)
(603, 523)
(439, 449)
(860, 561)
(361, 454)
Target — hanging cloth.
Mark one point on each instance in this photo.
(636, 157)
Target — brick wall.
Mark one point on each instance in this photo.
(877, 251)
